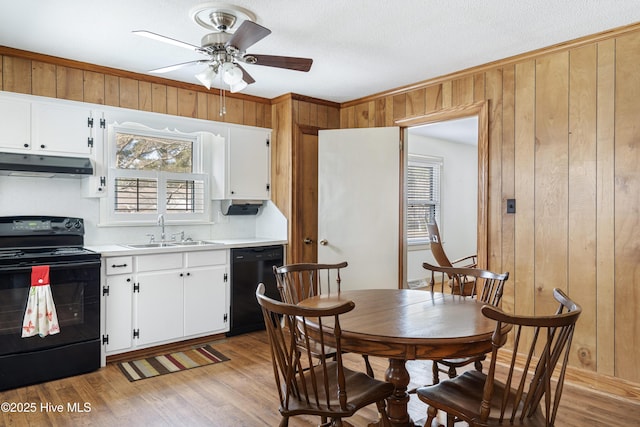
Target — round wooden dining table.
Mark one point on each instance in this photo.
(405, 324)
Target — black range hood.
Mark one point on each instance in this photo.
(17, 164)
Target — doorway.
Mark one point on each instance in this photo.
(466, 118)
(442, 167)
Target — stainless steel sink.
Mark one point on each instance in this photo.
(197, 243)
(173, 244)
(151, 245)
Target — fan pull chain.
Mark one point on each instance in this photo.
(223, 103)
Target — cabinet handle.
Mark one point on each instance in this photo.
(42, 146)
(118, 265)
(26, 145)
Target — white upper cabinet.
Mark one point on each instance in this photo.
(59, 128)
(15, 123)
(30, 124)
(241, 165)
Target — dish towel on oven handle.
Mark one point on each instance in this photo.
(40, 317)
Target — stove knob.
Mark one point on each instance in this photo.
(77, 225)
(67, 224)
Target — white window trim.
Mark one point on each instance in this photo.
(436, 162)
(108, 214)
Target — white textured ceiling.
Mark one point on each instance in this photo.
(359, 47)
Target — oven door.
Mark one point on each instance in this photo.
(75, 287)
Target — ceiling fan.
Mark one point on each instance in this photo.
(225, 51)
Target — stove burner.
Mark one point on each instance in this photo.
(11, 254)
(64, 251)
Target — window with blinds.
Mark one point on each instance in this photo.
(423, 196)
(156, 172)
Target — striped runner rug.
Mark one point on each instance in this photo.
(172, 362)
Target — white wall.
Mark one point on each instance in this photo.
(458, 217)
(63, 197)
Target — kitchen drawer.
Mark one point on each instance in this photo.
(119, 265)
(157, 262)
(204, 258)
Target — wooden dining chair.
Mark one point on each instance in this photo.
(305, 387)
(530, 391)
(297, 282)
(486, 286)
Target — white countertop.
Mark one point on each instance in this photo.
(122, 250)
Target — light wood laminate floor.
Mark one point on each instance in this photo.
(239, 392)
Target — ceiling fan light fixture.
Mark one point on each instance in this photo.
(206, 76)
(231, 73)
(237, 87)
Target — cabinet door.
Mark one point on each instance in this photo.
(118, 312)
(160, 311)
(60, 128)
(248, 164)
(205, 301)
(15, 123)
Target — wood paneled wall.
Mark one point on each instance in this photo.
(30, 73)
(564, 141)
(289, 113)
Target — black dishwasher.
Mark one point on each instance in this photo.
(250, 266)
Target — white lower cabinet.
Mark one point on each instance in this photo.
(167, 297)
(159, 310)
(118, 308)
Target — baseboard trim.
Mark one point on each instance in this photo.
(164, 348)
(592, 381)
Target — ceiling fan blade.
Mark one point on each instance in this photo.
(246, 76)
(289, 62)
(168, 40)
(247, 34)
(178, 66)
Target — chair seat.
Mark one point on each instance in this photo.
(463, 395)
(362, 391)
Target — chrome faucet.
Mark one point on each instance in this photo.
(161, 224)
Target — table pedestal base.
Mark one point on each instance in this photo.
(398, 375)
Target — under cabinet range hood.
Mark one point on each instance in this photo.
(18, 164)
(241, 207)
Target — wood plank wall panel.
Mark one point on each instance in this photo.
(93, 87)
(69, 83)
(128, 95)
(582, 198)
(16, 74)
(605, 208)
(434, 98)
(627, 206)
(551, 175)
(145, 102)
(564, 141)
(44, 81)
(158, 98)
(508, 173)
(523, 276)
(493, 91)
(172, 100)
(112, 90)
(281, 157)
